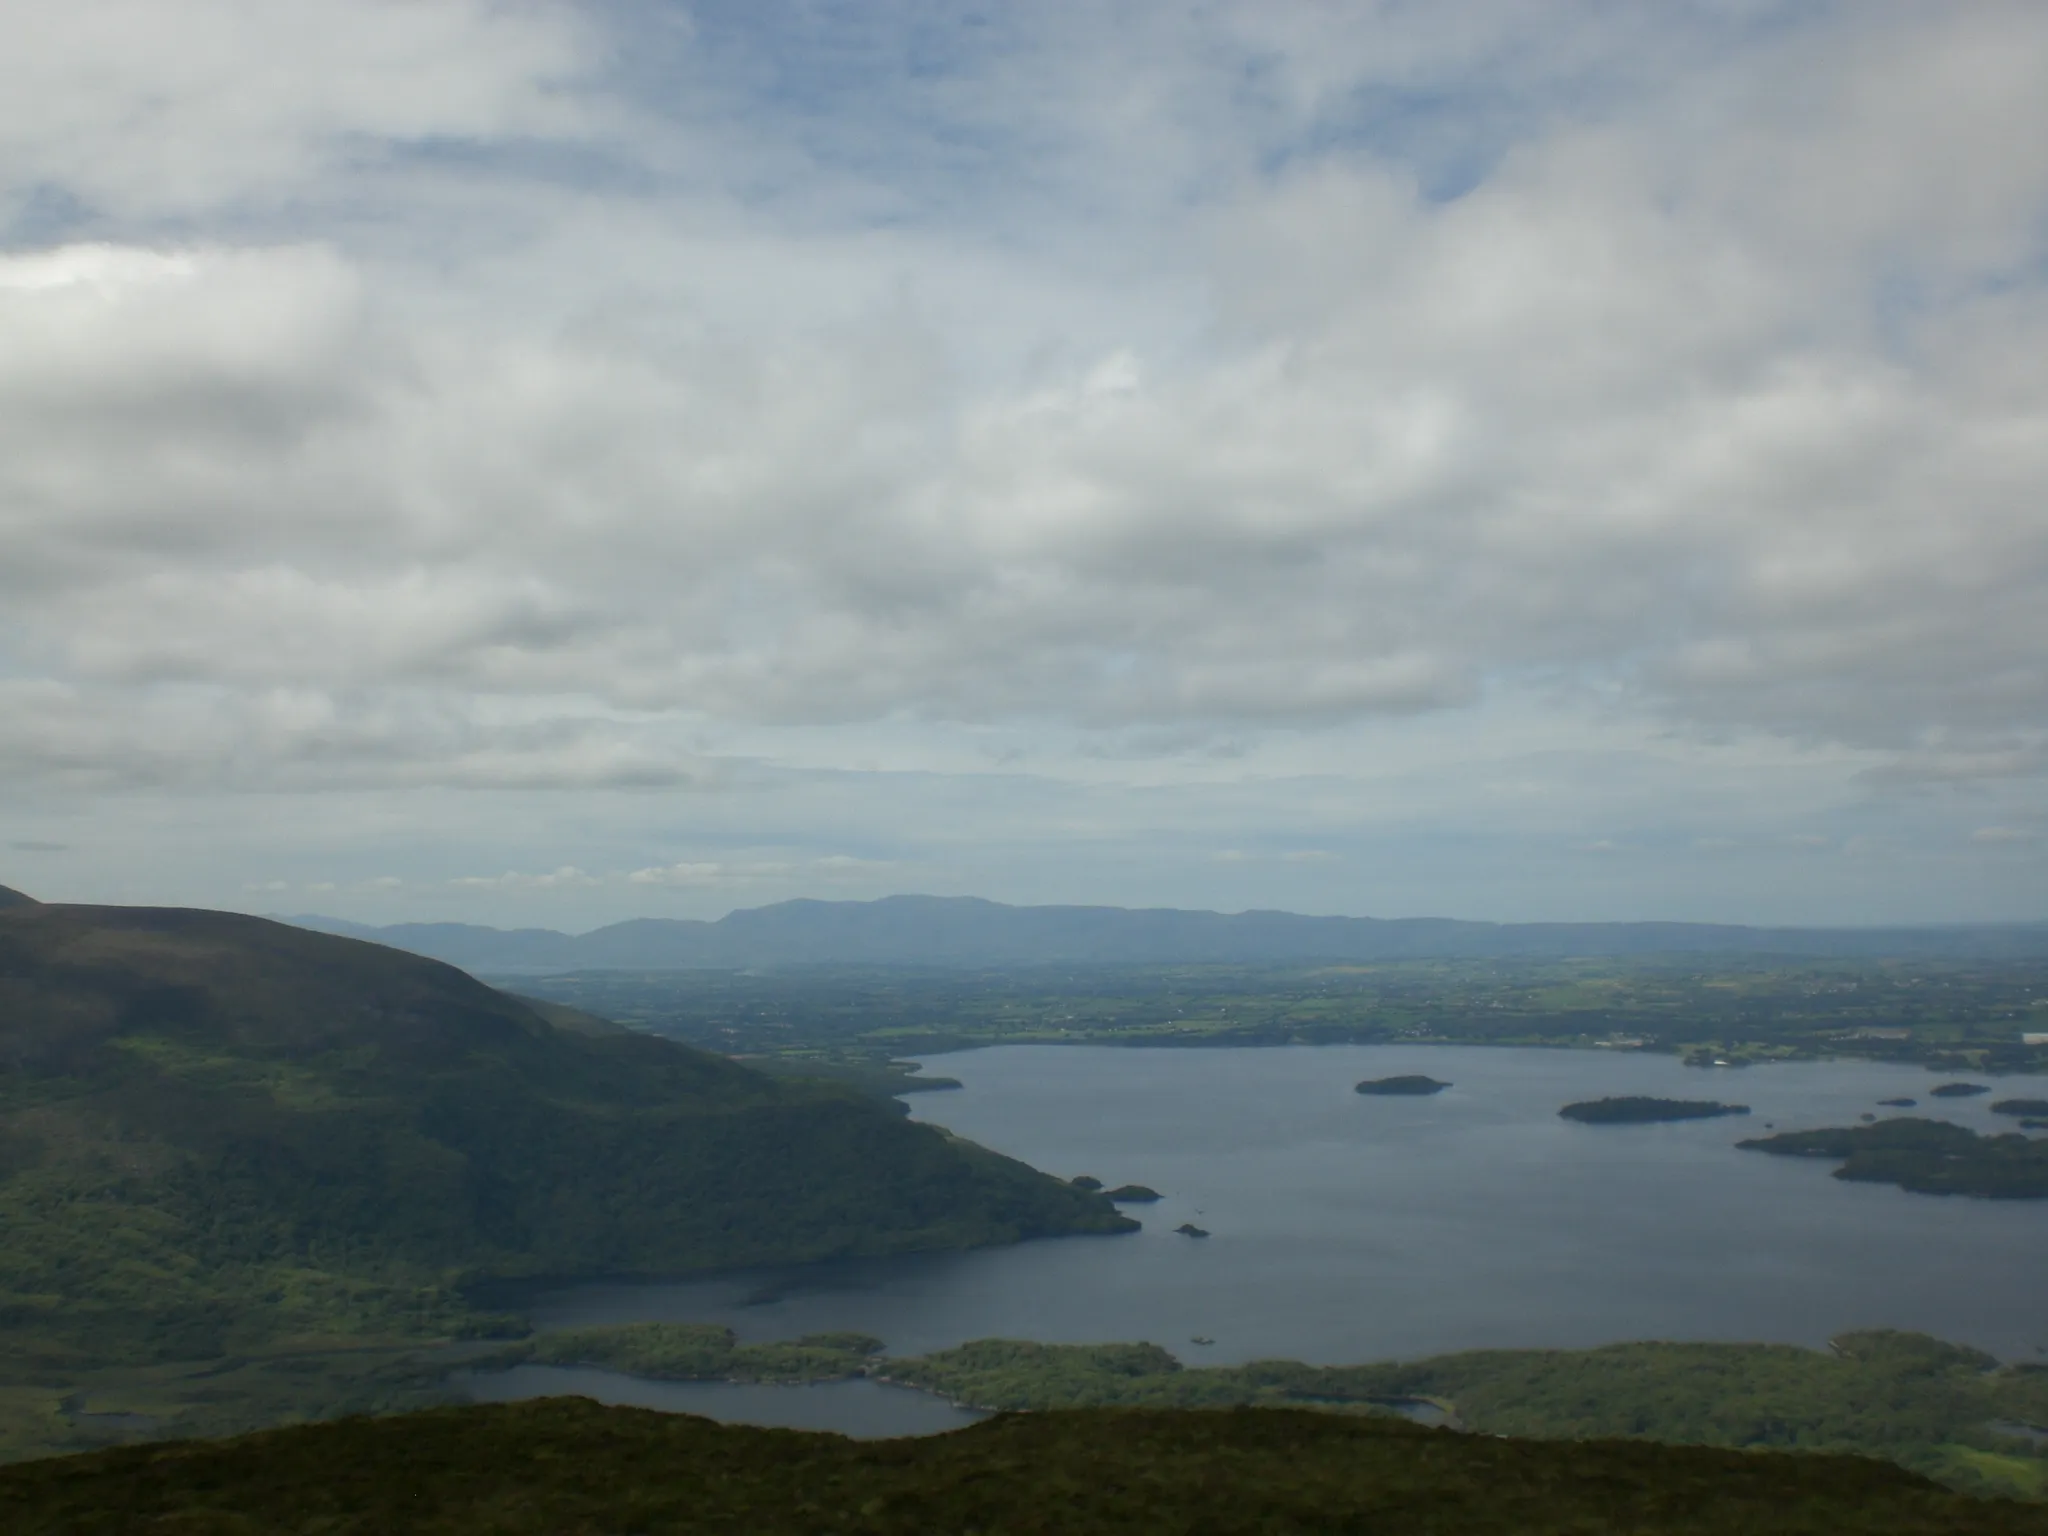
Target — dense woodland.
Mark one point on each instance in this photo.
(242, 1165)
(1905, 1397)
(1929, 1157)
(693, 1352)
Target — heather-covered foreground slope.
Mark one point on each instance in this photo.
(566, 1465)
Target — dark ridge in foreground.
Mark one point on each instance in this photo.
(568, 1465)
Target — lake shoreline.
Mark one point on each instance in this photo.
(1349, 1227)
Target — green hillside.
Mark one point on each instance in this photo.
(221, 1136)
(567, 1465)
(1947, 1411)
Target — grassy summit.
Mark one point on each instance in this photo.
(567, 1465)
(221, 1136)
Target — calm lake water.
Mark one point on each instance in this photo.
(1349, 1228)
(865, 1409)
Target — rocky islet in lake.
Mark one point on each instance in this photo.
(1640, 1109)
(1413, 1085)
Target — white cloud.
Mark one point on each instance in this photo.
(143, 108)
(208, 738)
(714, 872)
(2004, 836)
(567, 877)
(682, 873)
(1342, 517)
(846, 866)
(362, 445)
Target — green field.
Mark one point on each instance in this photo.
(1954, 1015)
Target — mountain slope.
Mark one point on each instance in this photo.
(219, 1133)
(566, 1464)
(935, 930)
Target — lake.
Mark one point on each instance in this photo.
(1349, 1228)
(866, 1409)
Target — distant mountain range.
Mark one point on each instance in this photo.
(963, 931)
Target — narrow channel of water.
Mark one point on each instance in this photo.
(865, 1409)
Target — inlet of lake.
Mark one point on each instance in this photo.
(1348, 1228)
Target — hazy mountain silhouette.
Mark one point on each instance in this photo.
(968, 931)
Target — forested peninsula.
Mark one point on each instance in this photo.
(1928, 1157)
(1905, 1396)
(1927, 1404)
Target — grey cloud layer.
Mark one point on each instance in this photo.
(150, 110)
(1724, 402)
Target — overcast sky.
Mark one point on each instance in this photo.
(543, 463)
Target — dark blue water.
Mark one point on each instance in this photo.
(862, 1408)
(1350, 1228)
